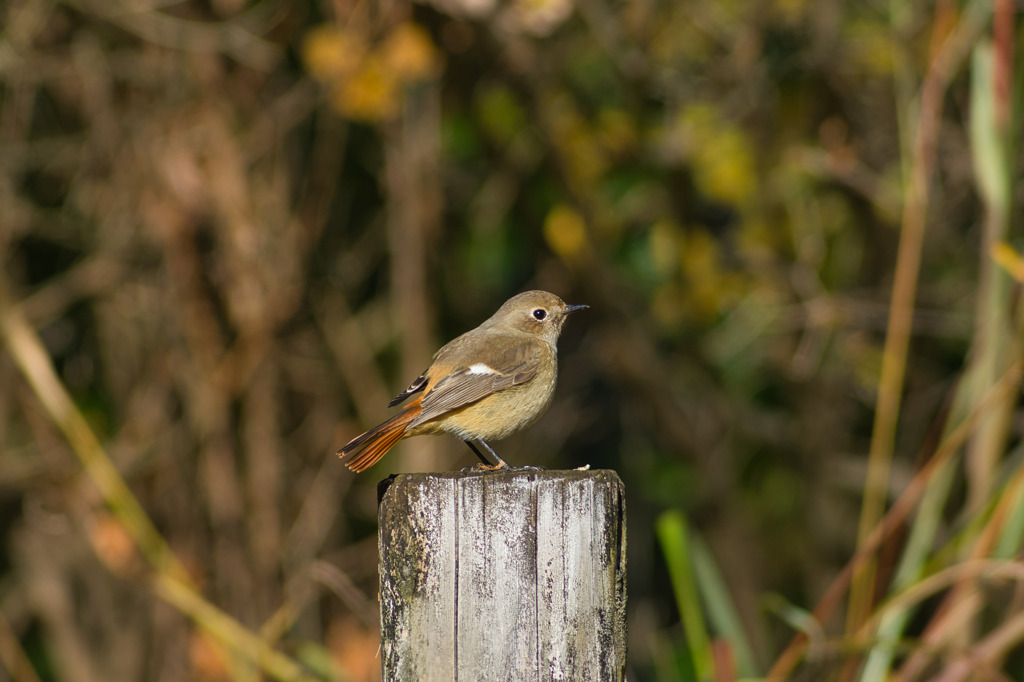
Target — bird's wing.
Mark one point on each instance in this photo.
(415, 387)
(472, 382)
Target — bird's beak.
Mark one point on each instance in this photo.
(575, 307)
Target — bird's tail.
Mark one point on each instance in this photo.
(374, 444)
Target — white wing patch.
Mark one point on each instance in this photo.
(480, 368)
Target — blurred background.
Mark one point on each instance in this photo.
(231, 232)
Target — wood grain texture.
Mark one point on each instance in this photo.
(503, 576)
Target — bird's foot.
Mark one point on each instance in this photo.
(480, 466)
(501, 465)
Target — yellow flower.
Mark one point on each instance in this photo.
(565, 232)
(330, 52)
(371, 94)
(409, 53)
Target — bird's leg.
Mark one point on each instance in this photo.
(477, 452)
(501, 464)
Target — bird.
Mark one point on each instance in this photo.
(484, 385)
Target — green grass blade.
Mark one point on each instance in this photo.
(721, 610)
(673, 536)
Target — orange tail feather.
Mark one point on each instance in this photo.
(375, 443)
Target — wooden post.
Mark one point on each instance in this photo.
(517, 575)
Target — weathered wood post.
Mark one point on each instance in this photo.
(517, 575)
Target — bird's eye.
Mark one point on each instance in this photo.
(540, 314)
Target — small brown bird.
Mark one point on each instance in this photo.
(484, 385)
